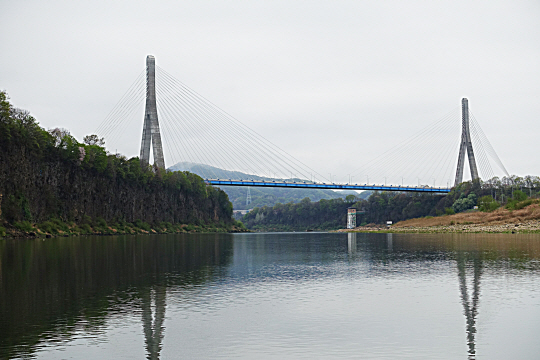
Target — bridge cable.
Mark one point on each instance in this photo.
(425, 133)
(240, 145)
(198, 125)
(244, 128)
(118, 114)
(488, 145)
(164, 101)
(433, 131)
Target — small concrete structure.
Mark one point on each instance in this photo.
(351, 218)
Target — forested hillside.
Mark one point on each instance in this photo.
(261, 196)
(332, 214)
(511, 192)
(50, 175)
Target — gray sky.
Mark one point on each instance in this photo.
(318, 78)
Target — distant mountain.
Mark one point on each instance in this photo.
(260, 196)
(211, 172)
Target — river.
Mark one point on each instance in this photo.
(271, 296)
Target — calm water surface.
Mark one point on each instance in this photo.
(271, 296)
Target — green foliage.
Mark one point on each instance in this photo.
(47, 227)
(95, 158)
(449, 211)
(332, 214)
(86, 229)
(142, 225)
(463, 204)
(24, 226)
(487, 203)
(16, 207)
(2, 231)
(21, 134)
(524, 203)
(519, 195)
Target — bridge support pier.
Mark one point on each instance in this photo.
(151, 123)
(466, 145)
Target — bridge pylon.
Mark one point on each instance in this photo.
(151, 123)
(466, 145)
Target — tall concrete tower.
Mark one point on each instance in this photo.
(466, 145)
(151, 124)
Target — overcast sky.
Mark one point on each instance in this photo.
(320, 79)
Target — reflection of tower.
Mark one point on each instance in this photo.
(151, 124)
(389, 241)
(351, 243)
(248, 198)
(153, 330)
(470, 306)
(466, 145)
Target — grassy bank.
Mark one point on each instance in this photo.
(99, 226)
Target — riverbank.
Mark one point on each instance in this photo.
(57, 228)
(526, 220)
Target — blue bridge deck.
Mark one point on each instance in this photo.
(333, 186)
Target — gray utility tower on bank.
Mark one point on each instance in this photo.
(466, 145)
(151, 124)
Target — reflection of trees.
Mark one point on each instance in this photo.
(49, 289)
(470, 305)
(153, 330)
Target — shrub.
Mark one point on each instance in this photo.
(522, 204)
(519, 196)
(60, 224)
(142, 225)
(86, 229)
(449, 211)
(24, 226)
(464, 204)
(486, 204)
(47, 227)
(2, 231)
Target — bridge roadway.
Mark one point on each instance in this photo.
(333, 186)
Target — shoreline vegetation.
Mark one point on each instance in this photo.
(473, 206)
(58, 228)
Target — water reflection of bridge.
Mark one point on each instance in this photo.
(39, 296)
(153, 324)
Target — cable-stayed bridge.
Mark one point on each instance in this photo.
(195, 131)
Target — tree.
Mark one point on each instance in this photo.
(465, 203)
(93, 140)
(59, 134)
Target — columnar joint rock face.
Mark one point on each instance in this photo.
(151, 124)
(466, 145)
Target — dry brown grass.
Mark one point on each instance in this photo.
(497, 217)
